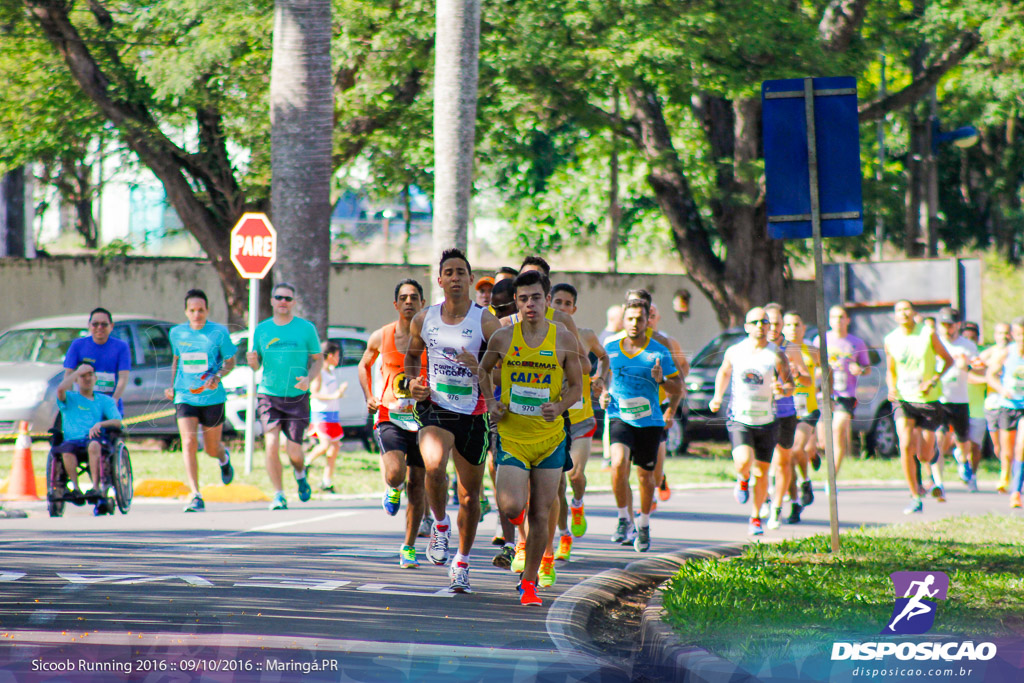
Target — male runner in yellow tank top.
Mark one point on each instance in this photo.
(540, 379)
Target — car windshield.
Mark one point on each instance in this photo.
(43, 346)
(711, 356)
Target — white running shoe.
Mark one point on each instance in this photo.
(437, 549)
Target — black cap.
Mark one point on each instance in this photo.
(970, 326)
(949, 315)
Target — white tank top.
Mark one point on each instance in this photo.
(452, 386)
(329, 383)
(753, 373)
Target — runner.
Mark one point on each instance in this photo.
(450, 410)
(536, 357)
(483, 291)
(396, 427)
(956, 416)
(993, 407)
(203, 354)
(807, 413)
(564, 298)
(757, 372)
(1006, 378)
(505, 273)
(847, 360)
(785, 416)
(914, 388)
(288, 349)
(639, 365)
(976, 385)
(110, 357)
(325, 392)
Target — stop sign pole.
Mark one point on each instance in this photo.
(254, 252)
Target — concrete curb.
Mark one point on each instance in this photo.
(568, 618)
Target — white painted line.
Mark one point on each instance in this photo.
(281, 525)
(269, 642)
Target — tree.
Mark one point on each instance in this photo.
(302, 121)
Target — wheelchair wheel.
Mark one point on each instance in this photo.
(123, 483)
(56, 485)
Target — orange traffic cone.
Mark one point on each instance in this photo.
(22, 484)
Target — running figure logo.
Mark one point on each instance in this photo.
(916, 593)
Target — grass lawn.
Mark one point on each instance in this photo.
(358, 472)
(784, 601)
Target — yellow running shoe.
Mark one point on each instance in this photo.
(564, 548)
(519, 563)
(546, 576)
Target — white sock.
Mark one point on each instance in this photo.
(563, 532)
(443, 522)
(645, 520)
(300, 475)
(576, 503)
(624, 513)
(459, 557)
(225, 460)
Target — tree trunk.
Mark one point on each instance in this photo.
(302, 118)
(457, 50)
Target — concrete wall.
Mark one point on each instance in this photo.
(361, 294)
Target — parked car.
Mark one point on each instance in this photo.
(352, 413)
(31, 367)
(873, 416)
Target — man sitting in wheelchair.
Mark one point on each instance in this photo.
(84, 414)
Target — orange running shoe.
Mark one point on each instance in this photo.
(564, 548)
(528, 593)
(664, 492)
(1015, 499)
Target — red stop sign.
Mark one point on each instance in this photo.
(253, 246)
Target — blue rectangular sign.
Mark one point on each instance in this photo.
(786, 158)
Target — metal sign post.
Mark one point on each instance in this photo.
(797, 187)
(250, 394)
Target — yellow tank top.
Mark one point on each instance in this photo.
(805, 398)
(530, 377)
(583, 409)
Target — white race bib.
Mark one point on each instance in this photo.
(527, 400)
(800, 403)
(105, 382)
(194, 362)
(909, 384)
(400, 414)
(458, 389)
(635, 408)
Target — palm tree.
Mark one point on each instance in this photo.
(302, 121)
(457, 49)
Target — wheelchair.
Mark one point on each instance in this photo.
(115, 476)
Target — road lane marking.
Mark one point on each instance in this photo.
(290, 582)
(281, 525)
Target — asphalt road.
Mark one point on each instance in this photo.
(240, 593)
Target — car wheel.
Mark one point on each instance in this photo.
(882, 439)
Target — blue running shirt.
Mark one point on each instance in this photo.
(201, 354)
(634, 392)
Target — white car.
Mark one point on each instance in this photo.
(352, 413)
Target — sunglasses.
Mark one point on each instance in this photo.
(763, 322)
(99, 324)
(278, 297)
(502, 307)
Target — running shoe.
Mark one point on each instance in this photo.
(459, 574)
(742, 491)
(519, 561)
(327, 487)
(773, 521)
(74, 495)
(916, 505)
(766, 508)
(407, 557)
(630, 535)
(102, 508)
(504, 558)
(528, 593)
(564, 548)
(755, 527)
(794, 514)
(972, 484)
(966, 472)
(498, 540)
(227, 472)
(620, 530)
(437, 549)
(816, 460)
(279, 502)
(546, 575)
(1004, 486)
(392, 501)
(938, 493)
(642, 543)
(664, 492)
(1015, 499)
(426, 524)
(195, 505)
(304, 490)
(578, 523)
(806, 493)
